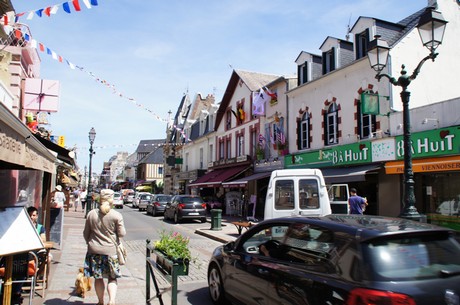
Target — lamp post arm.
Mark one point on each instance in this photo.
(390, 78)
(432, 56)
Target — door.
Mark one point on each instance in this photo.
(338, 196)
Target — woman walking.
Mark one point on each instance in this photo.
(103, 226)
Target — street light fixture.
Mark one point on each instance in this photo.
(431, 28)
(89, 194)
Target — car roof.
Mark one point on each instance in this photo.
(364, 227)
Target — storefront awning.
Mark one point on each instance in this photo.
(19, 148)
(216, 177)
(348, 174)
(242, 182)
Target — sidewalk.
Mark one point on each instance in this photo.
(131, 288)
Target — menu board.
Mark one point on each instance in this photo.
(56, 226)
(17, 232)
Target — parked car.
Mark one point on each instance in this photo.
(136, 199)
(338, 259)
(185, 207)
(128, 196)
(158, 204)
(117, 200)
(144, 201)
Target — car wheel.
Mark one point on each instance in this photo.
(216, 286)
(203, 220)
(154, 212)
(176, 218)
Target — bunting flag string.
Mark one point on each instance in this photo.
(50, 10)
(18, 33)
(124, 145)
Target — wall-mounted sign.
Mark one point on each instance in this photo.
(41, 95)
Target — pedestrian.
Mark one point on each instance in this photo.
(356, 203)
(82, 197)
(103, 226)
(59, 198)
(76, 196)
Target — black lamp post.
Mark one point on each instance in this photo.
(89, 194)
(431, 28)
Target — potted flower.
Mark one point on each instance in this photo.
(172, 253)
(260, 152)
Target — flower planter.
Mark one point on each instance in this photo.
(172, 266)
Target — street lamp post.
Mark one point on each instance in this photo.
(89, 194)
(431, 28)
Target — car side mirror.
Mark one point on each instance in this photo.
(229, 246)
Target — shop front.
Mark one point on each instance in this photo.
(26, 166)
(183, 179)
(209, 186)
(436, 167)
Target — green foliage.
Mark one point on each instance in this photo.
(174, 245)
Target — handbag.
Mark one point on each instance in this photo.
(122, 254)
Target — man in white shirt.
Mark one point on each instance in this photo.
(83, 195)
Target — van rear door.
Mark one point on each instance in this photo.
(338, 197)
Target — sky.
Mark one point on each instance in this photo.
(153, 52)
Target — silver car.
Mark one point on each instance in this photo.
(144, 201)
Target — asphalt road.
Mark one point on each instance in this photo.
(192, 289)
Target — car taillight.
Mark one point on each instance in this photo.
(156, 203)
(181, 206)
(362, 296)
(203, 205)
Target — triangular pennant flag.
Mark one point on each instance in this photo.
(76, 5)
(54, 9)
(66, 7)
(60, 58)
(86, 2)
(33, 43)
(48, 51)
(27, 37)
(47, 11)
(54, 55)
(94, 2)
(41, 46)
(18, 34)
(30, 16)
(5, 19)
(39, 12)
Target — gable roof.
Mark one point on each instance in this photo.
(146, 146)
(253, 81)
(154, 157)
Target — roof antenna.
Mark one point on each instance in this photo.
(347, 36)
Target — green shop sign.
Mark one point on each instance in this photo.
(431, 143)
(349, 154)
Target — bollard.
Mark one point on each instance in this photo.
(216, 219)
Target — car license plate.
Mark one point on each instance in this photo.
(194, 213)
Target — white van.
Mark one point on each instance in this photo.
(296, 192)
(338, 197)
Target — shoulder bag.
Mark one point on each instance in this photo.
(122, 254)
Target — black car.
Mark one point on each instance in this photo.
(158, 204)
(338, 259)
(185, 207)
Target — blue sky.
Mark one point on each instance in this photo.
(155, 51)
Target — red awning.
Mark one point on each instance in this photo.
(216, 177)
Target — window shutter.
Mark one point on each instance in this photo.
(332, 59)
(326, 134)
(299, 73)
(299, 136)
(324, 59)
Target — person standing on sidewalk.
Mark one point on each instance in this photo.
(82, 197)
(357, 203)
(58, 198)
(102, 226)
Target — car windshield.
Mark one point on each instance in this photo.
(116, 195)
(164, 198)
(413, 257)
(146, 197)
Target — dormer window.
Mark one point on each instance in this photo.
(361, 42)
(329, 61)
